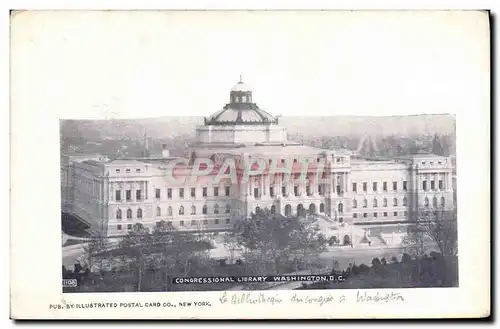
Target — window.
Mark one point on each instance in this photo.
(228, 209)
(426, 202)
(129, 213)
(169, 193)
(158, 211)
(193, 210)
(354, 187)
(256, 192)
(405, 201)
(405, 186)
(395, 202)
(216, 209)
(365, 187)
(365, 203)
(139, 213)
(341, 208)
(395, 213)
(138, 170)
(317, 159)
(181, 193)
(138, 195)
(365, 215)
(204, 192)
(338, 189)
(204, 210)
(181, 210)
(228, 190)
(354, 215)
(354, 203)
(128, 195)
(193, 222)
(283, 190)
(442, 201)
(129, 226)
(295, 190)
(375, 187)
(434, 202)
(257, 209)
(375, 203)
(216, 221)
(321, 207)
(384, 186)
(385, 202)
(127, 170)
(119, 214)
(157, 193)
(119, 227)
(375, 214)
(294, 160)
(385, 214)
(117, 171)
(424, 185)
(271, 191)
(193, 192)
(181, 223)
(228, 220)
(216, 191)
(440, 183)
(273, 209)
(169, 211)
(205, 222)
(433, 185)
(394, 186)
(118, 195)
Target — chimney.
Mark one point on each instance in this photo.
(165, 152)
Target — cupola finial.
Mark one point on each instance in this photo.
(241, 78)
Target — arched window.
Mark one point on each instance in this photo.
(204, 210)
(181, 210)
(169, 210)
(434, 202)
(395, 202)
(288, 210)
(365, 203)
(129, 213)
(158, 211)
(354, 204)
(228, 209)
(405, 201)
(442, 201)
(273, 209)
(119, 214)
(321, 207)
(341, 208)
(385, 202)
(216, 209)
(257, 209)
(426, 202)
(375, 203)
(139, 213)
(193, 210)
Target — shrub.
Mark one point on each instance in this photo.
(394, 260)
(375, 261)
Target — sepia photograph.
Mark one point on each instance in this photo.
(221, 160)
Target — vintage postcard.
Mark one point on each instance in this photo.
(250, 164)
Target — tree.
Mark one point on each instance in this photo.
(139, 243)
(437, 148)
(94, 249)
(273, 243)
(437, 227)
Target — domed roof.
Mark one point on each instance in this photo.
(241, 86)
(250, 114)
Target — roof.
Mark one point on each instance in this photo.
(241, 113)
(241, 86)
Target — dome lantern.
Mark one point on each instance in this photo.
(241, 93)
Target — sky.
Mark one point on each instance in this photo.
(130, 64)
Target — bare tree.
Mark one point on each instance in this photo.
(438, 227)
